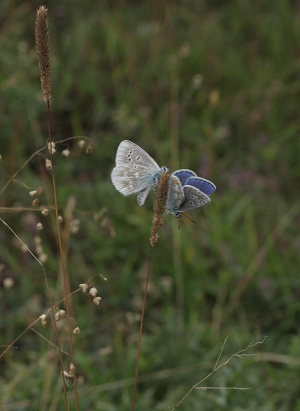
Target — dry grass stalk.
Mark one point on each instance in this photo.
(42, 44)
(159, 208)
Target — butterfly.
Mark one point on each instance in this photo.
(135, 172)
(187, 191)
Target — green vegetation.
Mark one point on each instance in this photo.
(211, 86)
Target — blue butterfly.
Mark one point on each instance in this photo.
(187, 191)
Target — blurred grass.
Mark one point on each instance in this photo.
(234, 67)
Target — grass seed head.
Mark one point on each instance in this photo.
(42, 45)
(159, 208)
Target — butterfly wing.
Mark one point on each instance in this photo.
(129, 153)
(175, 194)
(135, 171)
(129, 179)
(193, 198)
(206, 186)
(142, 195)
(184, 175)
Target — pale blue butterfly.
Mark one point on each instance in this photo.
(187, 191)
(135, 172)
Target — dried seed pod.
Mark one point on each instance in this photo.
(8, 282)
(97, 300)
(60, 314)
(43, 318)
(39, 226)
(51, 147)
(84, 287)
(66, 152)
(45, 211)
(35, 202)
(93, 291)
(48, 164)
(81, 143)
(89, 149)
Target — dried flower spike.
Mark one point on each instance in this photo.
(42, 45)
(159, 208)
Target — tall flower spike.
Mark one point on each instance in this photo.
(42, 45)
(159, 208)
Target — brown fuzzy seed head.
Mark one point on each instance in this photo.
(159, 208)
(42, 45)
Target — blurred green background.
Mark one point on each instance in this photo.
(208, 85)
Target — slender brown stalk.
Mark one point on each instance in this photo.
(149, 270)
(66, 282)
(157, 222)
(42, 39)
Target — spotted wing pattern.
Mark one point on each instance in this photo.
(135, 171)
(175, 194)
(129, 180)
(193, 198)
(129, 153)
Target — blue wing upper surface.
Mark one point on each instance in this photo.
(184, 175)
(206, 186)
